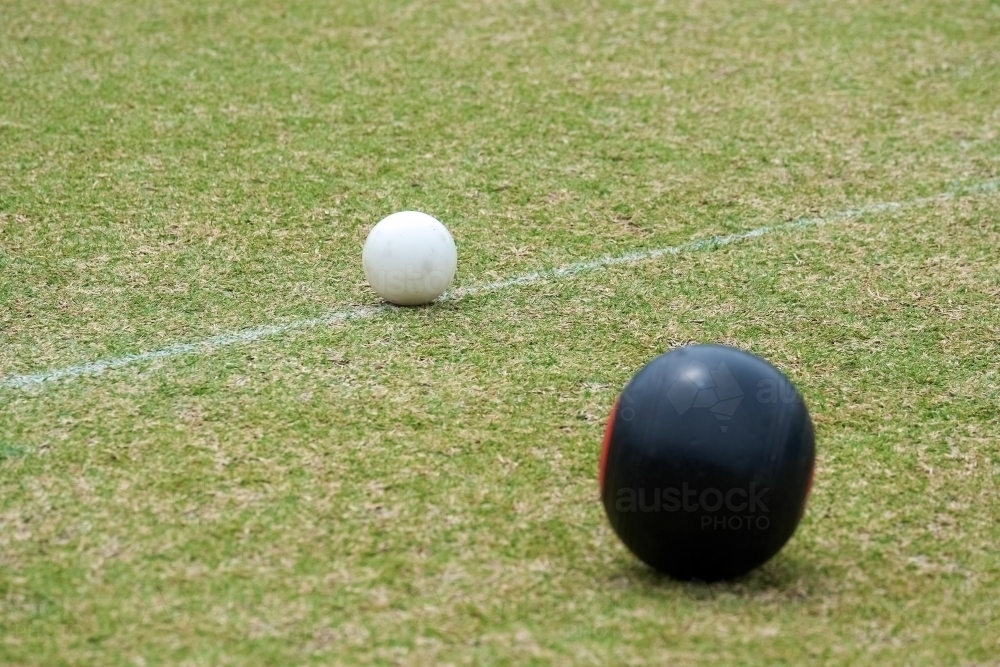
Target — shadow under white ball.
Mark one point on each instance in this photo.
(409, 258)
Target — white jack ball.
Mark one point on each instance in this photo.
(409, 258)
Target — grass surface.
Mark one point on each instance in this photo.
(418, 487)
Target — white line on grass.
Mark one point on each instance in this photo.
(365, 312)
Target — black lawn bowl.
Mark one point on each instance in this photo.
(707, 462)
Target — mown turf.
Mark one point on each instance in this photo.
(418, 487)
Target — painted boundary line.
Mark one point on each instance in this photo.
(367, 312)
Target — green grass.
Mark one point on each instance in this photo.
(419, 487)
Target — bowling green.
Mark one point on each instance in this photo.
(418, 487)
